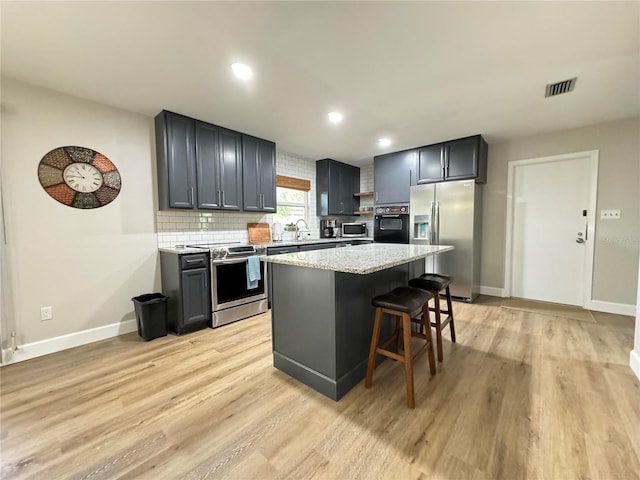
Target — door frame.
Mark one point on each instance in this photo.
(591, 156)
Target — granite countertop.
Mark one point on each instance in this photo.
(359, 259)
(183, 250)
(308, 241)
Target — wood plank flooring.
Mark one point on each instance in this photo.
(520, 395)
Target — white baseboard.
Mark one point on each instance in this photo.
(493, 291)
(57, 344)
(634, 361)
(609, 307)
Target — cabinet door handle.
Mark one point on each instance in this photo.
(192, 196)
(376, 196)
(219, 198)
(222, 201)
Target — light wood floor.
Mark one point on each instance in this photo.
(520, 396)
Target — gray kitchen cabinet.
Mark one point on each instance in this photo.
(393, 175)
(259, 175)
(200, 166)
(465, 158)
(336, 185)
(186, 283)
(218, 167)
(175, 149)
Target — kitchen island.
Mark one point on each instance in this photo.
(322, 315)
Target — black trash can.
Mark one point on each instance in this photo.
(151, 314)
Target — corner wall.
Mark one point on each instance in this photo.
(86, 264)
(617, 247)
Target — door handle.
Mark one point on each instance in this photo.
(580, 240)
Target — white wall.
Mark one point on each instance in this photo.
(617, 245)
(86, 264)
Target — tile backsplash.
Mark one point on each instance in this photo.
(185, 227)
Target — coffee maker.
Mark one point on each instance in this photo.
(328, 229)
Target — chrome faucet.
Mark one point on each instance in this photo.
(306, 227)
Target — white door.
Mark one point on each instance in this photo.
(552, 207)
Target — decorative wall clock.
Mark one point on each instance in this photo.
(79, 177)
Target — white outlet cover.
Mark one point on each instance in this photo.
(610, 214)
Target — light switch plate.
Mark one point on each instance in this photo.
(610, 214)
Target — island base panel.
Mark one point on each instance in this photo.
(334, 389)
(322, 322)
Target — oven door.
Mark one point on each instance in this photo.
(391, 228)
(229, 284)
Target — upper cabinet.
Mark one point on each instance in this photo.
(259, 175)
(176, 152)
(461, 159)
(336, 184)
(218, 167)
(200, 166)
(393, 175)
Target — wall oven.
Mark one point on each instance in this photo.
(231, 296)
(391, 224)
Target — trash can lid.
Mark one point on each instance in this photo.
(150, 298)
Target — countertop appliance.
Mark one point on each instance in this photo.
(353, 230)
(328, 229)
(231, 297)
(391, 224)
(450, 213)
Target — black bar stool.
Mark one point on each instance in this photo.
(434, 283)
(402, 302)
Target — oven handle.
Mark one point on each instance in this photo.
(390, 216)
(229, 262)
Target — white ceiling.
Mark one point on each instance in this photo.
(416, 72)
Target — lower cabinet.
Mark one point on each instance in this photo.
(186, 281)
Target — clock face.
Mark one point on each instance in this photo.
(79, 177)
(82, 177)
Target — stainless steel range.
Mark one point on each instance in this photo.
(232, 297)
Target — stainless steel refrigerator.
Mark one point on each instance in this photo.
(450, 213)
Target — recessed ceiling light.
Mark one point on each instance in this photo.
(242, 71)
(335, 117)
(384, 142)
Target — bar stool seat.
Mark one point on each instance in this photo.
(434, 283)
(402, 302)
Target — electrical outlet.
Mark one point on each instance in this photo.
(46, 313)
(610, 214)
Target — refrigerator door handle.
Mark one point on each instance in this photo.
(437, 223)
(432, 229)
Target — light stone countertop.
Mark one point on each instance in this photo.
(182, 251)
(359, 259)
(308, 241)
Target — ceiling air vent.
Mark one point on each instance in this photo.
(559, 88)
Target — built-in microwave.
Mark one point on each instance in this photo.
(354, 230)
